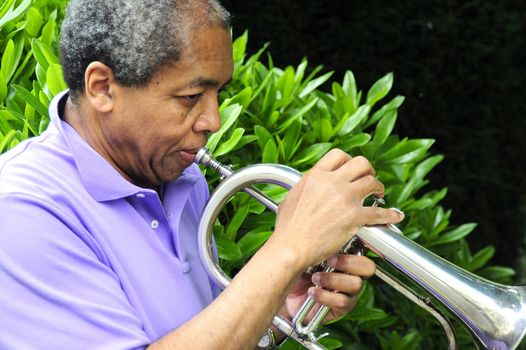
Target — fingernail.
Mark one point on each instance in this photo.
(316, 278)
(311, 291)
(399, 212)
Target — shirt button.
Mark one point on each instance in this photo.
(186, 267)
(154, 224)
(140, 195)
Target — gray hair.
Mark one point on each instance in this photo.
(135, 38)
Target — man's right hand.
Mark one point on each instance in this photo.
(325, 208)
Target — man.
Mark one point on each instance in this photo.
(97, 244)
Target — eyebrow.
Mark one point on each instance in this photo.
(202, 82)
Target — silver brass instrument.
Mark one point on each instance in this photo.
(494, 314)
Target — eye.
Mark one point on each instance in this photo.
(192, 98)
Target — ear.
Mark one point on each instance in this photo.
(99, 82)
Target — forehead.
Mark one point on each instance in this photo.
(206, 59)
(206, 43)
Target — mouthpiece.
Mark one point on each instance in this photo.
(204, 157)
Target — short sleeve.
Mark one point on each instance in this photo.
(56, 291)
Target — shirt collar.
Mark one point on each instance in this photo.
(101, 180)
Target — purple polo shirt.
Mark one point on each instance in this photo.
(87, 259)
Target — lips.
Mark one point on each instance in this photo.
(188, 155)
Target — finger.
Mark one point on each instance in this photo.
(340, 282)
(366, 186)
(380, 216)
(339, 302)
(332, 160)
(356, 168)
(355, 265)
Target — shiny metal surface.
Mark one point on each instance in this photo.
(494, 314)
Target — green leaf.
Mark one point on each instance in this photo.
(314, 84)
(235, 223)
(48, 31)
(416, 180)
(263, 136)
(44, 122)
(3, 88)
(496, 273)
(227, 250)
(8, 61)
(31, 99)
(375, 325)
(379, 89)
(23, 69)
(481, 258)
(312, 154)
(285, 85)
(297, 113)
(354, 120)
(272, 119)
(325, 129)
(367, 314)
(270, 152)
(349, 85)
(252, 241)
(239, 47)
(455, 235)
(34, 22)
(337, 91)
(6, 139)
(384, 128)
(6, 6)
(243, 98)
(14, 13)
(300, 71)
(228, 116)
(43, 54)
(393, 104)
(270, 98)
(330, 343)
(290, 141)
(344, 106)
(54, 79)
(231, 143)
(405, 152)
(5, 117)
(355, 141)
(427, 165)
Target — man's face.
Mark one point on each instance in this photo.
(153, 132)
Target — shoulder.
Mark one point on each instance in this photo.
(36, 166)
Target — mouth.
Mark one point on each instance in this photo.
(188, 155)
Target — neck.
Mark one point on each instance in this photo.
(86, 124)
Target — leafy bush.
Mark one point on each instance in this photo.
(281, 116)
(30, 73)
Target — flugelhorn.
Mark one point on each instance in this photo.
(493, 314)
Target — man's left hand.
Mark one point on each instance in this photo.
(336, 290)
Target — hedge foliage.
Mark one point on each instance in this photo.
(278, 115)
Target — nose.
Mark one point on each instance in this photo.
(209, 119)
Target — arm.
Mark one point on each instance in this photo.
(55, 291)
(332, 193)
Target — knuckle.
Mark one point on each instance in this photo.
(357, 284)
(370, 268)
(337, 153)
(324, 279)
(362, 162)
(371, 181)
(343, 302)
(379, 212)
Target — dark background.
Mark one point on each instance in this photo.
(460, 65)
